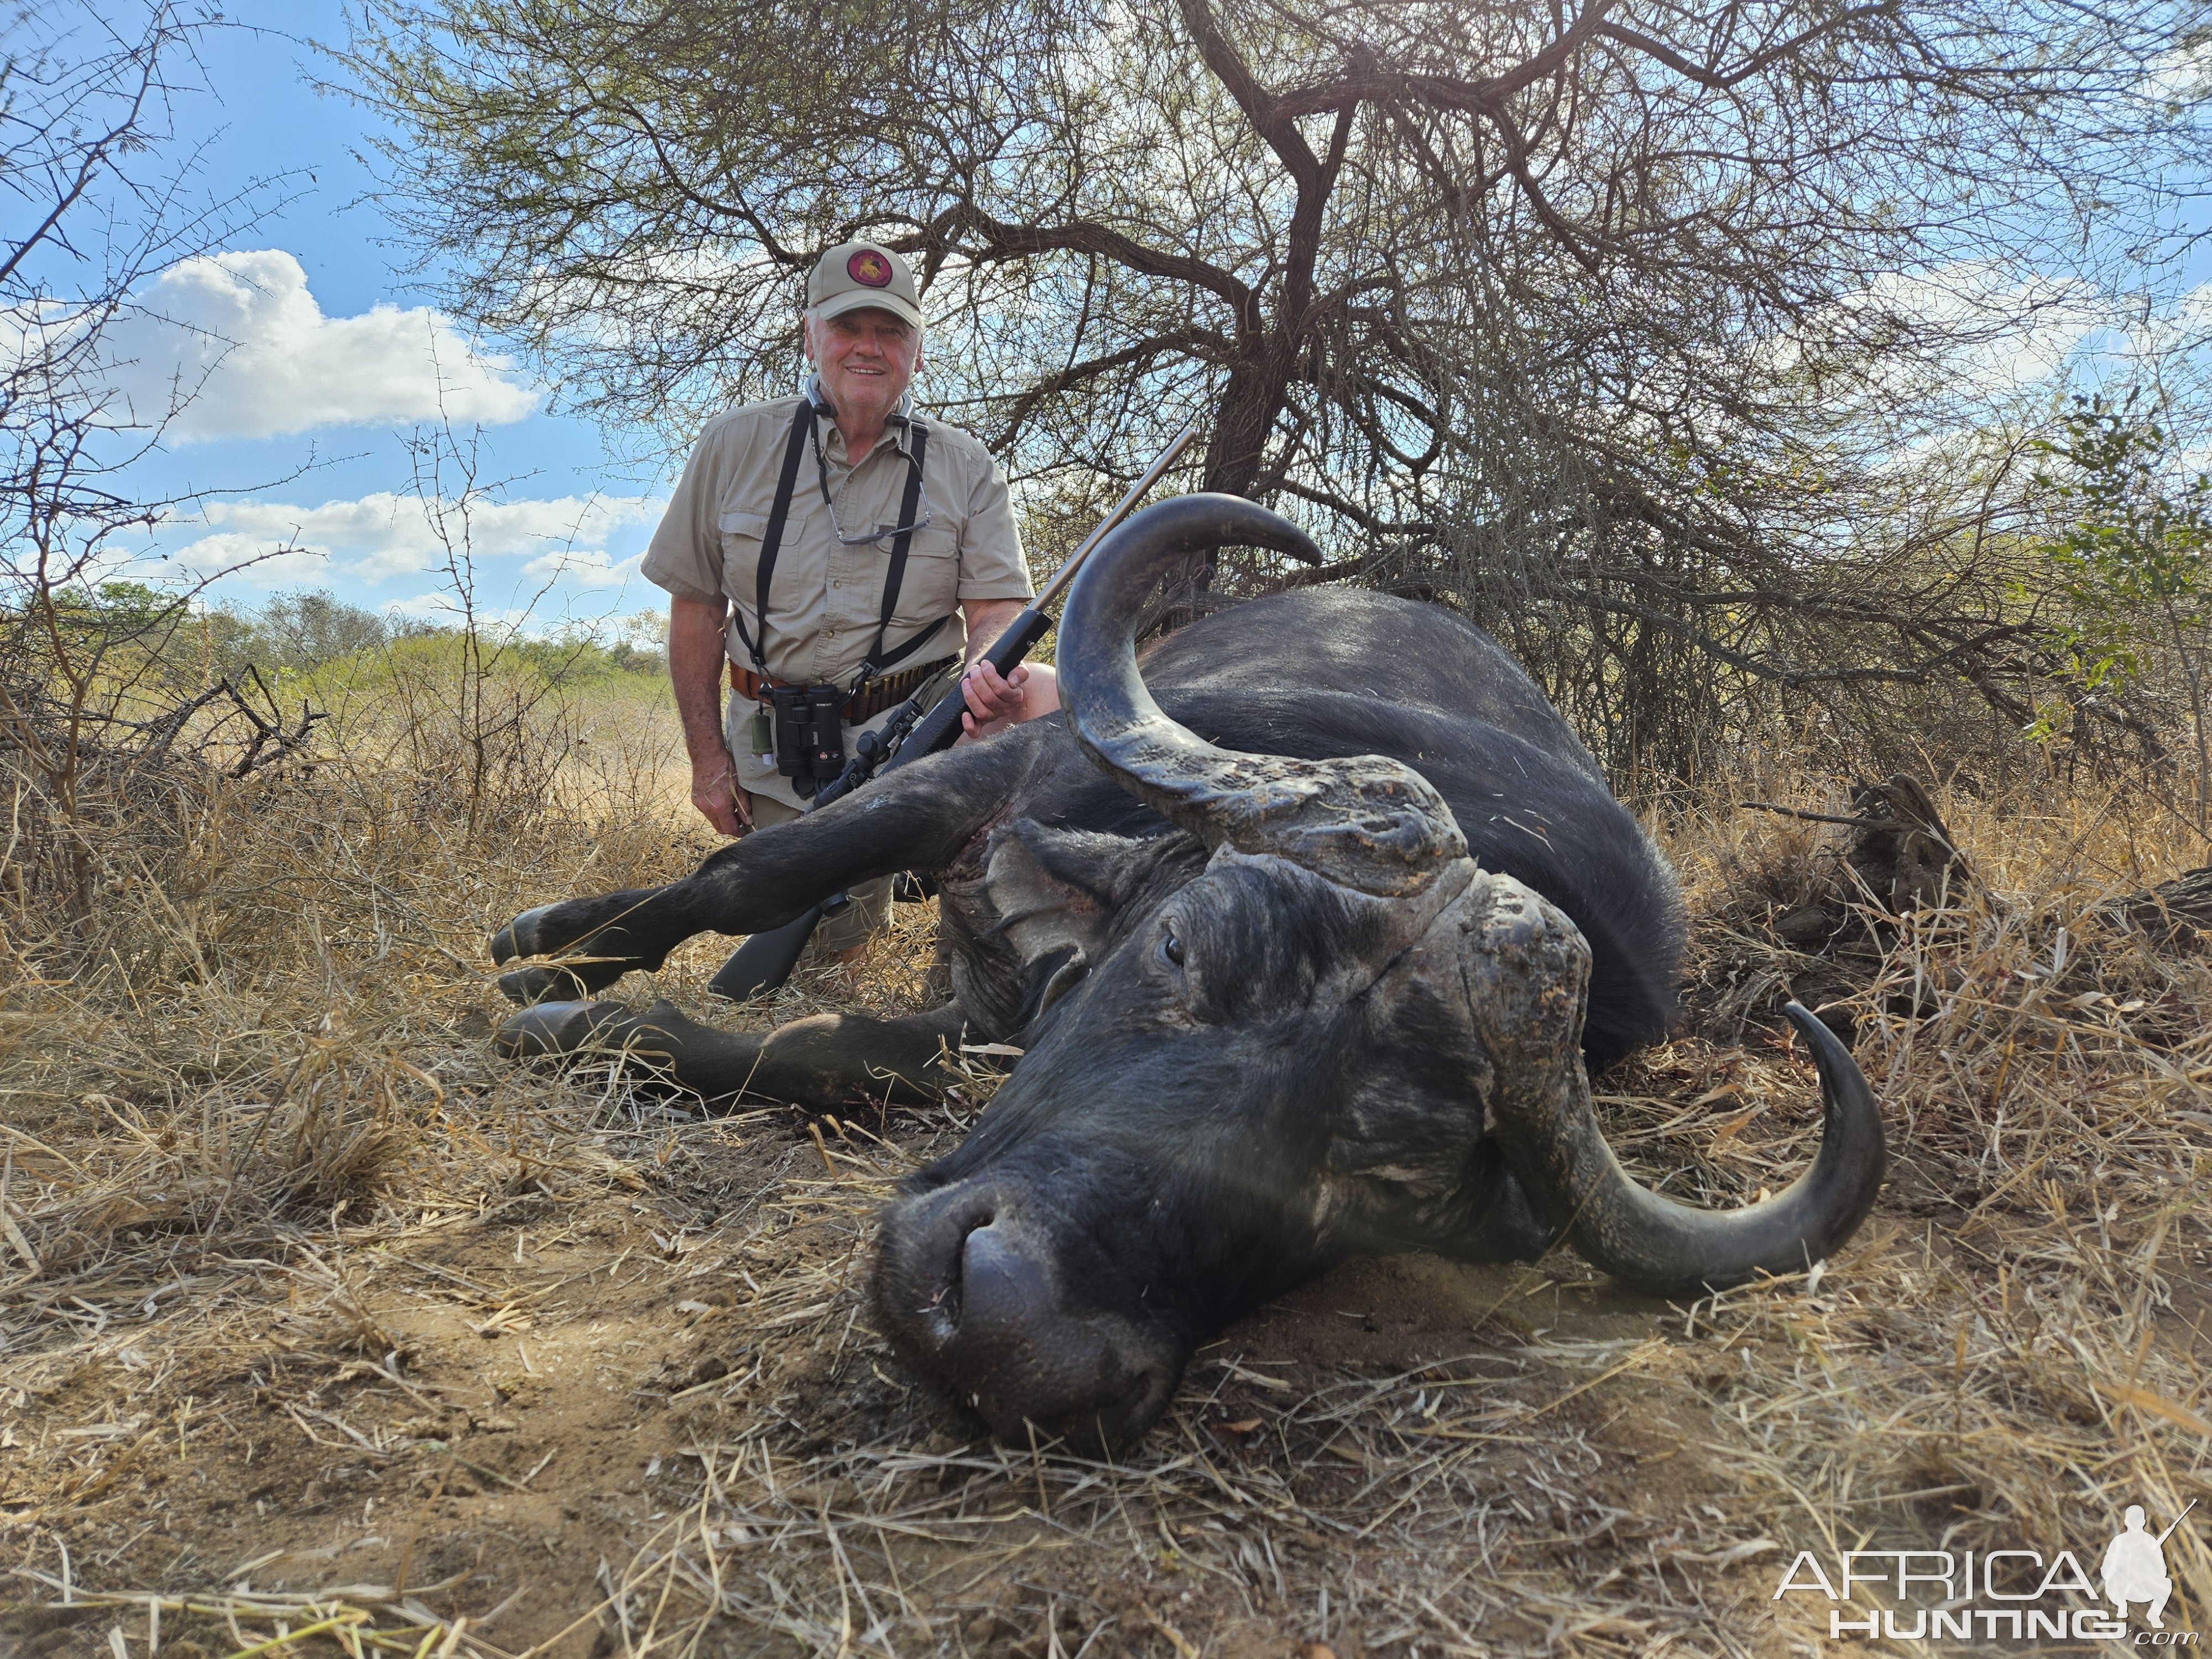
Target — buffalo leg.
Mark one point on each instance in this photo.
(817, 1063)
(918, 818)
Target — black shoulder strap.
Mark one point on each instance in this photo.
(877, 661)
(802, 427)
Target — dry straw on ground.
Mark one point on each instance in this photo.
(325, 1331)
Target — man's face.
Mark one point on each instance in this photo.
(867, 360)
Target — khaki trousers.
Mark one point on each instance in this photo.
(870, 912)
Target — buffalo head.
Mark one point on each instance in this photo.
(1309, 1027)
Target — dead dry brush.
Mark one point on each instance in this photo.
(2033, 1343)
(254, 1051)
(267, 945)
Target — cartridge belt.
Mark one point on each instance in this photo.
(865, 704)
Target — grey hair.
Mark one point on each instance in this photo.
(812, 315)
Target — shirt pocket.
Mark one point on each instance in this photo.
(931, 587)
(742, 534)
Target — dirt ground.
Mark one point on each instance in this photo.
(447, 1358)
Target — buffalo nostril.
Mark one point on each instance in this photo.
(971, 1284)
(947, 1298)
(1001, 1284)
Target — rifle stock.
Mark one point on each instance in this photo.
(764, 961)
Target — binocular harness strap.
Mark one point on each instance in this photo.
(793, 452)
(803, 431)
(876, 661)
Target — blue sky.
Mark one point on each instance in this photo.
(329, 364)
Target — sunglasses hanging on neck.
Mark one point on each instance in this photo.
(821, 470)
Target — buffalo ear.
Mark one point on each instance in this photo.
(1046, 886)
(1074, 891)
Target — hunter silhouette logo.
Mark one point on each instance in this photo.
(2134, 1567)
(1998, 1596)
(869, 269)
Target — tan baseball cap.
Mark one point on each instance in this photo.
(854, 275)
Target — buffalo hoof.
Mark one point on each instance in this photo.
(546, 982)
(528, 935)
(520, 937)
(566, 1028)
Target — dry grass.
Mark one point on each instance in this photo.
(321, 1330)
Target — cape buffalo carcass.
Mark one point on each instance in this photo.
(1305, 959)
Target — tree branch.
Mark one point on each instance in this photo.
(1715, 80)
(1143, 352)
(1485, 97)
(1000, 241)
(1269, 119)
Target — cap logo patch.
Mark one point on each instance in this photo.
(869, 269)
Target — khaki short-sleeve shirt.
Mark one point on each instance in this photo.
(826, 598)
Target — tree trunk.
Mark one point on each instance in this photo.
(1235, 456)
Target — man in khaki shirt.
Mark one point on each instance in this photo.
(963, 579)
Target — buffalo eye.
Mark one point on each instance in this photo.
(1171, 947)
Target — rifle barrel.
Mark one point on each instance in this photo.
(1126, 505)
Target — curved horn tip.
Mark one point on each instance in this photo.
(1826, 1045)
(1217, 518)
(1851, 1111)
(1299, 546)
(1667, 1249)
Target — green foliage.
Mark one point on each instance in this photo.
(120, 629)
(2132, 562)
(306, 631)
(124, 606)
(111, 612)
(578, 660)
(302, 634)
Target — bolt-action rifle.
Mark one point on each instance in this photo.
(2177, 1519)
(764, 961)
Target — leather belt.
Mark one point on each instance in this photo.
(865, 704)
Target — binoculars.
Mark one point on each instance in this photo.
(809, 733)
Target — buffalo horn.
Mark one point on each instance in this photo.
(1529, 988)
(1673, 1249)
(1365, 821)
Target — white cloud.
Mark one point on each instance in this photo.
(2180, 76)
(260, 561)
(518, 621)
(238, 340)
(2006, 333)
(384, 535)
(424, 607)
(583, 568)
(1968, 337)
(2194, 311)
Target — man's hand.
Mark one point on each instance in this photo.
(995, 700)
(694, 670)
(716, 791)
